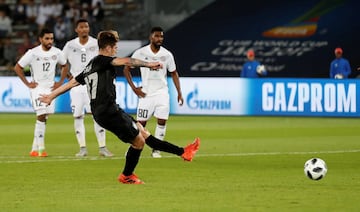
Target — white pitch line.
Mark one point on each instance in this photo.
(28, 159)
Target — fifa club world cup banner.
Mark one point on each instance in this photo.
(222, 96)
(291, 38)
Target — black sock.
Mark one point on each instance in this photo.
(132, 159)
(163, 146)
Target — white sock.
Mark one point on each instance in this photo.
(160, 131)
(35, 146)
(80, 131)
(39, 134)
(100, 134)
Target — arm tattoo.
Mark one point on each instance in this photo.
(137, 63)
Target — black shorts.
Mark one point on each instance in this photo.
(118, 122)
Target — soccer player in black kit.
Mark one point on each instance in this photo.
(99, 76)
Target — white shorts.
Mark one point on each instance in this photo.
(40, 107)
(157, 105)
(80, 101)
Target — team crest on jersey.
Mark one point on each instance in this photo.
(54, 57)
(92, 48)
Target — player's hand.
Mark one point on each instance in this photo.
(180, 100)
(32, 84)
(138, 91)
(155, 65)
(45, 99)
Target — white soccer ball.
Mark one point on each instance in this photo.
(315, 168)
(339, 76)
(260, 69)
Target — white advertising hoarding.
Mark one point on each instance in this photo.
(15, 96)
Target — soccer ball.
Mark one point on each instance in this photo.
(339, 76)
(315, 168)
(260, 69)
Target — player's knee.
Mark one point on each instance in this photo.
(143, 123)
(138, 142)
(144, 132)
(42, 118)
(161, 122)
(79, 117)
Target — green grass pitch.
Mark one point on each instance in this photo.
(244, 164)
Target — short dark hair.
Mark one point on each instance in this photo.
(45, 31)
(106, 38)
(156, 29)
(81, 20)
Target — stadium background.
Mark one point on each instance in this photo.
(209, 39)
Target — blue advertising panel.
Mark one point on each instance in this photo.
(304, 97)
(15, 97)
(291, 38)
(268, 97)
(223, 96)
(125, 97)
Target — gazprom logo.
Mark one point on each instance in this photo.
(194, 102)
(8, 100)
(309, 97)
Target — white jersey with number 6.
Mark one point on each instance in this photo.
(79, 56)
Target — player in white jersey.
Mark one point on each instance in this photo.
(78, 52)
(43, 61)
(153, 94)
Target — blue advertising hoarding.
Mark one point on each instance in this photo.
(223, 96)
(15, 97)
(268, 97)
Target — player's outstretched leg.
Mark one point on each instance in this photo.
(187, 153)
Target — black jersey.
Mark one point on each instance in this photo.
(99, 76)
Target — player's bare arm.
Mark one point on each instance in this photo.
(60, 90)
(176, 80)
(20, 72)
(64, 72)
(137, 90)
(132, 62)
